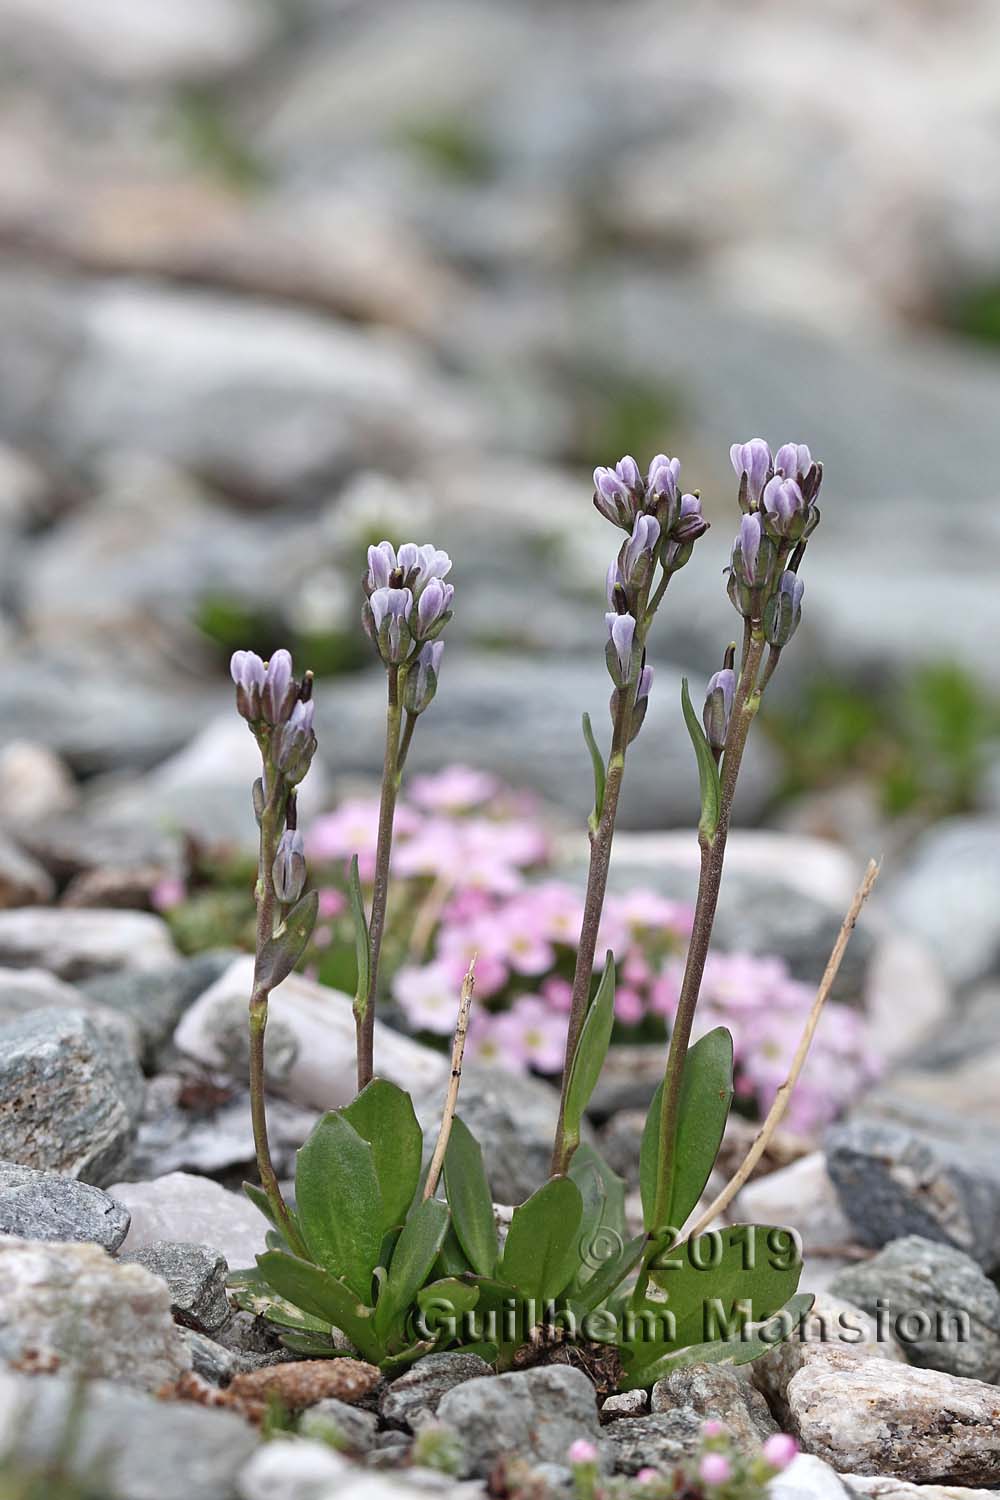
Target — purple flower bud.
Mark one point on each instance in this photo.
(280, 691)
(433, 608)
(640, 705)
(783, 610)
(690, 524)
(628, 472)
(613, 498)
(719, 707)
(247, 671)
(390, 611)
(747, 549)
(785, 509)
(421, 683)
(289, 869)
(793, 461)
(752, 462)
(295, 743)
(663, 476)
(381, 566)
(644, 684)
(635, 560)
(621, 638)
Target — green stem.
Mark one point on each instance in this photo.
(266, 911)
(713, 851)
(601, 841)
(364, 1015)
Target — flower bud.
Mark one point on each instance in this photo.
(783, 610)
(752, 463)
(719, 707)
(280, 691)
(689, 523)
(381, 566)
(642, 690)
(621, 648)
(248, 672)
(663, 477)
(386, 618)
(785, 510)
(433, 609)
(635, 560)
(295, 743)
(289, 869)
(752, 566)
(794, 461)
(422, 680)
(259, 797)
(618, 492)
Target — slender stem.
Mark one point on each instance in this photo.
(776, 1112)
(266, 912)
(713, 851)
(365, 1014)
(404, 744)
(601, 841)
(451, 1098)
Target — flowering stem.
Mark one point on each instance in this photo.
(593, 907)
(365, 1014)
(260, 995)
(713, 852)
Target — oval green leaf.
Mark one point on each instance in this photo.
(470, 1199)
(415, 1253)
(542, 1253)
(339, 1203)
(382, 1114)
(591, 1050)
(706, 1095)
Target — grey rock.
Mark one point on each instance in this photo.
(950, 885)
(72, 1305)
(209, 1359)
(801, 1194)
(530, 1414)
(44, 1206)
(25, 990)
(68, 1101)
(141, 1448)
(23, 881)
(194, 1211)
(894, 1181)
(934, 1288)
(344, 1427)
(513, 1116)
(720, 1392)
(156, 999)
(876, 1417)
(79, 944)
(294, 1469)
(34, 785)
(625, 1404)
(660, 1441)
(480, 721)
(196, 1277)
(422, 1387)
(882, 1487)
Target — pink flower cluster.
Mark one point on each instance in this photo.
(472, 873)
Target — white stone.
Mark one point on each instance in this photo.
(835, 1332)
(807, 1478)
(294, 1469)
(906, 995)
(800, 1194)
(192, 1211)
(72, 1304)
(881, 1487)
(872, 1416)
(34, 783)
(78, 944)
(817, 867)
(311, 1037)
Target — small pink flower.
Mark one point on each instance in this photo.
(779, 1450)
(331, 902)
(648, 1476)
(582, 1452)
(713, 1428)
(168, 893)
(715, 1468)
(534, 1034)
(429, 997)
(629, 1008)
(558, 992)
(455, 789)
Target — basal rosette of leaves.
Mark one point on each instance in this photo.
(381, 1254)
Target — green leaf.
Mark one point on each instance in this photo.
(602, 1226)
(706, 1095)
(542, 1252)
(416, 1251)
(280, 954)
(600, 773)
(316, 1292)
(734, 1352)
(362, 940)
(708, 771)
(591, 1050)
(339, 1202)
(449, 1295)
(470, 1199)
(609, 1276)
(382, 1114)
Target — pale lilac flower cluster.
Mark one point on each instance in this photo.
(407, 606)
(778, 500)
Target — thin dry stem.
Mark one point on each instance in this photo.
(451, 1098)
(776, 1112)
